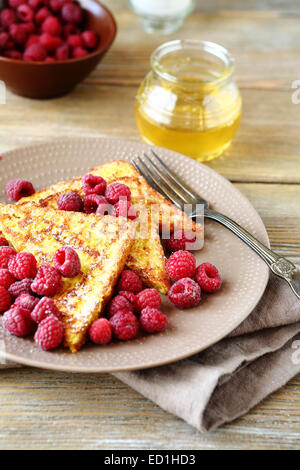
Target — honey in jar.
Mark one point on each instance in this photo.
(189, 101)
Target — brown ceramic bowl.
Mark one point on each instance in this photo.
(47, 80)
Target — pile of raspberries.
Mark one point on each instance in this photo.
(99, 198)
(26, 293)
(44, 31)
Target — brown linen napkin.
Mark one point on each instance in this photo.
(226, 380)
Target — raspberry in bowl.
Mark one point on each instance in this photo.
(49, 55)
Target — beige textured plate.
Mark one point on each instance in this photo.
(244, 274)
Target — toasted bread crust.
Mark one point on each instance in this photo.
(103, 245)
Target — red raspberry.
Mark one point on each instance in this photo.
(70, 29)
(3, 242)
(6, 278)
(43, 309)
(52, 26)
(70, 202)
(13, 54)
(92, 184)
(49, 59)
(79, 52)
(22, 266)
(71, 13)
(129, 281)
(18, 33)
(47, 281)
(208, 277)
(6, 253)
(74, 40)
(56, 5)
(123, 208)
(62, 52)
(50, 43)
(119, 303)
(185, 293)
(181, 264)
(128, 295)
(5, 299)
(181, 241)
(92, 202)
(101, 331)
(16, 189)
(20, 287)
(49, 333)
(29, 27)
(153, 320)
(16, 3)
(25, 13)
(117, 190)
(90, 40)
(4, 39)
(42, 15)
(33, 39)
(125, 325)
(147, 298)
(35, 53)
(7, 17)
(17, 321)
(67, 262)
(27, 301)
(34, 4)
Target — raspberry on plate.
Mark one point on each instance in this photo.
(6, 254)
(62, 52)
(67, 262)
(147, 298)
(7, 17)
(17, 321)
(20, 287)
(208, 277)
(92, 202)
(101, 331)
(123, 208)
(52, 26)
(23, 265)
(47, 281)
(153, 320)
(79, 52)
(17, 188)
(89, 39)
(43, 309)
(125, 325)
(3, 242)
(6, 278)
(27, 301)
(49, 333)
(5, 299)
(129, 281)
(180, 240)
(117, 190)
(35, 53)
(119, 303)
(185, 293)
(128, 295)
(92, 184)
(72, 13)
(70, 202)
(25, 13)
(181, 264)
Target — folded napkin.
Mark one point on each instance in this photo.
(226, 380)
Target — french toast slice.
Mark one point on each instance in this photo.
(146, 257)
(102, 243)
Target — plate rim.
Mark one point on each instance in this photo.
(62, 368)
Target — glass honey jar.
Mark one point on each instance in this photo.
(189, 101)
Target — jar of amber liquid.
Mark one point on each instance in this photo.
(189, 101)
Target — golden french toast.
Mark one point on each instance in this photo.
(102, 243)
(146, 257)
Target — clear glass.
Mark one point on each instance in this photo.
(162, 16)
(189, 101)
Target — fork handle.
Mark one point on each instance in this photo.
(279, 265)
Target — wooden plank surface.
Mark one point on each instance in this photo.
(41, 409)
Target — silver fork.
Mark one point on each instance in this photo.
(180, 194)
